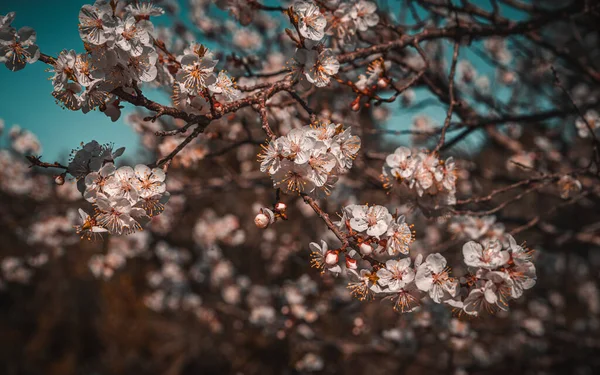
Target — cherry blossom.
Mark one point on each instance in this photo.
(396, 274)
(311, 23)
(489, 255)
(18, 48)
(96, 23)
(434, 278)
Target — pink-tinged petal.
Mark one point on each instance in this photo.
(158, 175)
(142, 171)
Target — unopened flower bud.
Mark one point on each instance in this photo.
(60, 179)
(355, 105)
(365, 249)
(331, 257)
(280, 206)
(262, 221)
(351, 263)
(264, 218)
(382, 82)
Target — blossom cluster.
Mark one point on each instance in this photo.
(497, 274)
(350, 17)
(498, 270)
(372, 230)
(124, 199)
(312, 61)
(121, 52)
(310, 159)
(196, 80)
(423, 174)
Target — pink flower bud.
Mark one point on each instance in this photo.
(262, 221)
(280, 206)
(365, 249)
(355, 105)
(331, 257)
(60, 179)
(351, 263)
(382, 82)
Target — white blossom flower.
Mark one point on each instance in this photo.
(196, 72)
(25, 142)
(518, 254)
(270, 157)
(90, 157)
(433, 277)
(89, 228)
(484, 298)
(18, 48)
(122, 184)
(400, 164)
(225, 86)
(85, 71)
(396, 274)
(92, 97)
(96, 23)
(345, 148)
(364, 284)
(363, 15)
(489, 255)
(132, 35)
(143, 67)
(293, 178)
(95, 181)
(360, 13)
(117, 215)
(319, 70)
(311, 23)
(68, 96)
(148, 182)
(374, 220)
(431, 181)
(320, 161)
(406, 299)
(64, 68)
(309, 159)
(316, 67)
(399, 237)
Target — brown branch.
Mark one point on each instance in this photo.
(451, 96)
(35, 161)
(549, 212)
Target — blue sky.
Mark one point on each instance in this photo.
(25, 97)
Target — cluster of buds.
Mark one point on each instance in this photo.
(266, 216)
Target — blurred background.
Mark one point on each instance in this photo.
(203, 291)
